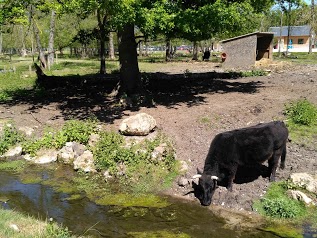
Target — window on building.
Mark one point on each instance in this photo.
(300, 41)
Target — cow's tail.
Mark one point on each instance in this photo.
(283, 156)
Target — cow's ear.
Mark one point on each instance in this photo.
(214, 177)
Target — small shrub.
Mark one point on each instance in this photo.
(73, 130)
(142, 172)
(301, 112)
(282, 207)
(78, 131)
(110, 150)
(277, 204)
(53, 230)
(10, 136)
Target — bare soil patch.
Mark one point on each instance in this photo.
(191, 110)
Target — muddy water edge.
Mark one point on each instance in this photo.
(94, 208)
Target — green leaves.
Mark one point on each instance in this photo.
(10, 136)
(218, 18)
(12, 12)
(301, 112)
(156, 18)
(73, 130)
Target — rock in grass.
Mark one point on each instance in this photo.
(305, 180)
(138, 125)
(13, 153)
(85, 162)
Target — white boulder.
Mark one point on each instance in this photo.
(13, 152)
(45, 157)
(85, 162)
(300, 196)
(305, 180)
(138, 125)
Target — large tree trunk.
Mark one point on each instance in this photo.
(195, 51)
(38, 42)
(102, 34)
(23, 49)
(50, 58)
(130, 78)
(0, 40)
(146, 48)
(102, 55)
(111, 46)
(168, 52)
(141, 49)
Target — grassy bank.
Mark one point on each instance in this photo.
(17, 225)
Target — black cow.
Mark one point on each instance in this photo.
(206, 55)
(247, 146)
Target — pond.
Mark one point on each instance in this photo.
(83, 216)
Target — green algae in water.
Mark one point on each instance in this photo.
(61, 186)
(3, 199)
(74, 197)
(29, 178)
(131, 200)
(135, 212)
(158, 234)
(284, 230)
(14, 165)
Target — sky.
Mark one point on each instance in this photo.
(308, 1)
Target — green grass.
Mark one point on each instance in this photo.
(303, 135)
(277, 204)
(286, 215)
(143, 173)
(301, 112)
(28, 227)
(22, 81)
(302, 122)
(9, 137)
(73, 130)
(15, 165)
(15, 83)
(298, 58)
(80, 67)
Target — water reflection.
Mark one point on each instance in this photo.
(84, 217)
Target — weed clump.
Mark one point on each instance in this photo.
(301, 112)
(142, 166)
(9, 137)
(282, 207)
(112, 150)
(73, 130)
(277, 204)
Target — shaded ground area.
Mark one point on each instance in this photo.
(192, 104)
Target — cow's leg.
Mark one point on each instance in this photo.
(283, 156)
(231, 176)
(273, 163)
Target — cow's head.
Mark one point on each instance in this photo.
(205, 188)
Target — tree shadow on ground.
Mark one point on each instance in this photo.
(80, 97)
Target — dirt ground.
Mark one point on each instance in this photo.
(191, 111)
